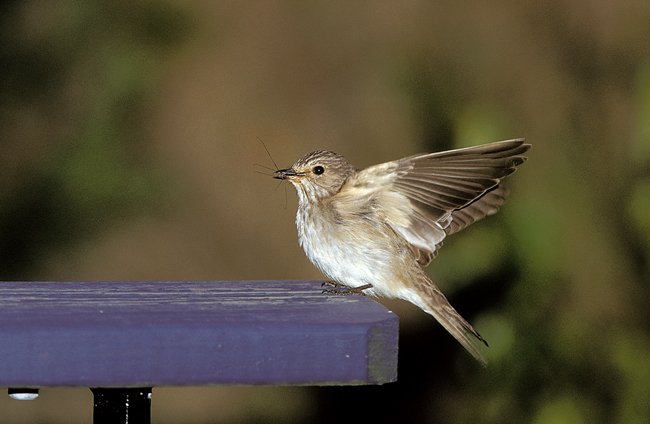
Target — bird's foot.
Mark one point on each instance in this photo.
(333, 284)
(339, 289)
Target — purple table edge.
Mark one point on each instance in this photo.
(191, 333)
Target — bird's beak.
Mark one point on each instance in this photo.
(284, 174)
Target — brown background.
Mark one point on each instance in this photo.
(129, 133)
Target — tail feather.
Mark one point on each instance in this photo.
(433, 302)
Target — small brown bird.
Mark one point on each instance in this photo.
(372, 231)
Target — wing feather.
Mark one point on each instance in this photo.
(425, 197)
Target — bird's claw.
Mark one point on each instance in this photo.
(333, 284)
(339, 289)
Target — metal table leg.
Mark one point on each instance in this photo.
(122, 405)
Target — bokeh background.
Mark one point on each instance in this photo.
(128, 137)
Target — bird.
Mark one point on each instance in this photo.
(373, 231)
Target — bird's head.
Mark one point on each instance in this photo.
(317, 175)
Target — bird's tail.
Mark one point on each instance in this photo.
(433, 302)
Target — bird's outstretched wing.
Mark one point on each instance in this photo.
(425, 197)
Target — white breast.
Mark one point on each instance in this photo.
(354, 258)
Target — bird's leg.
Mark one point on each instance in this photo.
(343, 290)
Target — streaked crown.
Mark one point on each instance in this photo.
(320, 174)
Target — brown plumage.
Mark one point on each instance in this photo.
(374, 229)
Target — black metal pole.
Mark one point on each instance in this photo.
(122, 405)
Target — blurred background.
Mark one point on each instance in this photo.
(129, 133)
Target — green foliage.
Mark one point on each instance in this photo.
(84, 71)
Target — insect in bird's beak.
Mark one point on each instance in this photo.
(284, 174)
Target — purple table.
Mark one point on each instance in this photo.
(131, 336)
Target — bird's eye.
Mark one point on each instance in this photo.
(318, 170)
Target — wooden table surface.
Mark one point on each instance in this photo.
(178, 333)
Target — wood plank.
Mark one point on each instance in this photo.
(128, 334)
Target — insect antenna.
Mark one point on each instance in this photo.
(272, 170)
(269, 153)
(269, 172)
